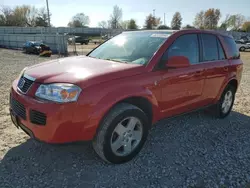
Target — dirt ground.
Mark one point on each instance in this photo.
(193, 150)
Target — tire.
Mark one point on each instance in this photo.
(220, 111)
(81, 43)
(119, 114)
(242, 49)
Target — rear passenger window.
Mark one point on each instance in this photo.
(186, 45)
(221, 52)
(232, 50)
(210, 50)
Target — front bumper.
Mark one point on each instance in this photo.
(60, 126)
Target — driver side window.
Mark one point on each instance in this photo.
(186, 45)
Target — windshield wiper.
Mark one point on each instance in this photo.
(115, 60)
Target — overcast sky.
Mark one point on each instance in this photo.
(98, 10)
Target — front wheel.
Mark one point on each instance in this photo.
(121, 134)
(225, 104)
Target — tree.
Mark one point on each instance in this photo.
(23, 16)
(103, 24)
(152, 22)
(225, 24)
(124, 24)
(246, 26)
(211, 18)
(2, 20)
(163, 27)
(199, 20)
(79, 20)
(176, 21)
(188, 27)
(132, 24)
(42, 19)
(235, 21)
(116, 17)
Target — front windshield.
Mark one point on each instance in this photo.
(131, 47)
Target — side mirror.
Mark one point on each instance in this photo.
(177, 62)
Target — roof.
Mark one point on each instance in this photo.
(183, 31)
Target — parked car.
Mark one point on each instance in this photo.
(114, 94)
(78, 39)
(242, 46)
(32, 47)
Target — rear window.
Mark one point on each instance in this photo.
(233, 51)
(221, 51)
(210, 50)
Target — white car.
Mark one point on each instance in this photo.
(242, 46)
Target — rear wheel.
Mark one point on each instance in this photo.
(122, 134)
(242, 49)
(225, 104)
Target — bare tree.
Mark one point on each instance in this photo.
(236, 21)
(42, 19)
(199, 20)
(116, 17)
(31, 16)
(103, 24)
(79, 20)
(225, 24)
(124, 24)
(176, 21)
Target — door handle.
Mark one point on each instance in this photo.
(199, 73)
(225, 69)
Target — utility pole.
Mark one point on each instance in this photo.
(164, 18)
(48, 12)
(154, 12)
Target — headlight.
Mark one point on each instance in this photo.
(60, 92)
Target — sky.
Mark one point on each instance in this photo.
(63, 10)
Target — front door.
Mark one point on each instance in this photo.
(182, 87)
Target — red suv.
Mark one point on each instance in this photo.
(114, 94)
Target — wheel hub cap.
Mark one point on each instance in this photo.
(227, 102)
(126, 136)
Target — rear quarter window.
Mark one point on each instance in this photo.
(233, 52)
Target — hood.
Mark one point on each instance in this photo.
(81, 70)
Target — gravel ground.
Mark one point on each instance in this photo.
(194, 150)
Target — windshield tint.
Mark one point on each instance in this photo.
(131, 47)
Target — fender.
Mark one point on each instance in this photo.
(231, 77)
(115, 96)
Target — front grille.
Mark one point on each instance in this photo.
(18, 108)
(24, 84)
(38, 118)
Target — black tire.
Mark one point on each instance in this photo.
(101, 142)
(218, 108)
(242, 49)
(81, 43)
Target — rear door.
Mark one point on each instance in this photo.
(216, 66)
